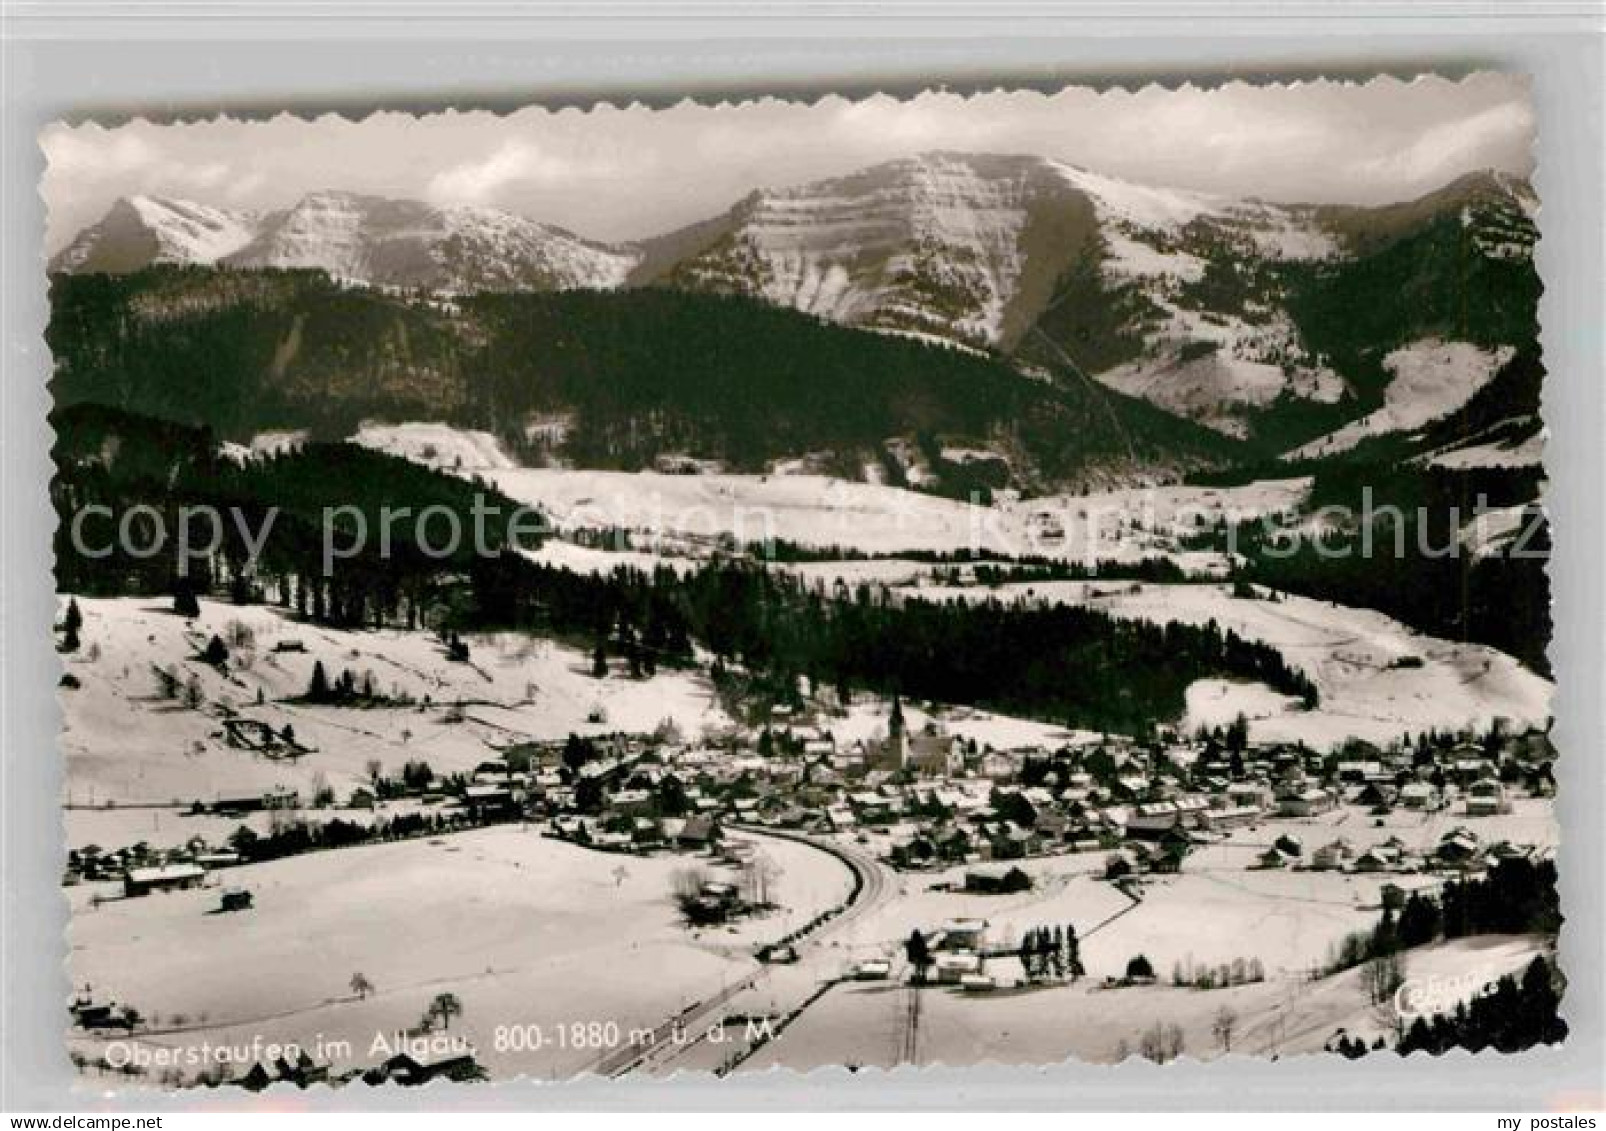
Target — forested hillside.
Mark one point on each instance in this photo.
(637, 374)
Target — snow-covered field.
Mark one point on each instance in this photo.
(866, 1024)
(1431, 378)
(1526, 452)
(1348, 653)
(440, 446)
(123, 743)
(822, 512)
(524, 930)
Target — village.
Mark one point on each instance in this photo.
(928, 800)
(980, 823)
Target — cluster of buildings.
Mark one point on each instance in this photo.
(927, 798)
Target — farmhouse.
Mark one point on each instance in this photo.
(279, 797)
(408, 1072)
(994, 881)
(172, 877)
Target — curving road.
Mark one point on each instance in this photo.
(873, 889)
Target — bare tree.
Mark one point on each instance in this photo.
(686, 889)
(445, 1006)
(1382, 977)
(757, 876)
(1223, 1027)
(1161, 1043)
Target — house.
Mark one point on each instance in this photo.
(632, 803)
(962, 934)
(952, 969)
(1250, 793)
(1456, 848)
(1230, 817)
(487, 801)
(409, 1072)
(1421, 795)
(1486, 797)
(996, 881)
(1330, 857)
(1378, 858)
(1377, 795)
(1273, 858)
(840, 818)
(172, 877)
(699, 831)
(94, 1015)
(302, 1072)
(1149, 822)
(1309, 802)
(280, 797)
(872, 808)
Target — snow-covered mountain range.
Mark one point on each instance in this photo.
(361, 239)
(1228, 312)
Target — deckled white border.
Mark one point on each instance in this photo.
(1567, 100)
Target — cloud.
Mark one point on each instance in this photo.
(1501, 136)
(515, 163)
(628, 172)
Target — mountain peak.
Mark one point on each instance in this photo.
(139, 230)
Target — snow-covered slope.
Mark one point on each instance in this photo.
(141, 230)
(1209, 345)
(404, 243)
(1431, 379)
(464, 450)
(937, 244)
(981, 250)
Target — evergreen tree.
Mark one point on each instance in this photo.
(217, 652)
(318, 689)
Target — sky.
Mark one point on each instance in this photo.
(617, 173)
